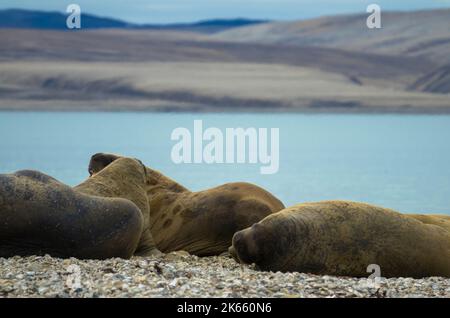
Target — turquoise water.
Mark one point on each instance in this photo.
(396, 161)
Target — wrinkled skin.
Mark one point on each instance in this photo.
(40, 215)
(343, 238)
(201, 223)
(124, 178)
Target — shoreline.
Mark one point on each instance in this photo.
(179, 274)
(305, 111)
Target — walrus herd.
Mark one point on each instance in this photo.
(126, 208)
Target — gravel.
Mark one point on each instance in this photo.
(182, 275)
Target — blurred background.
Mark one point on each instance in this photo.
(363, 113)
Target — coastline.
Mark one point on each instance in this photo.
(179, 274)
(93, 107)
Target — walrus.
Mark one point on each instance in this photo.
(343, 238)
(125, 178)
(201, 223)
(40, 215)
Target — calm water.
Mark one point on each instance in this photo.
(401, 162)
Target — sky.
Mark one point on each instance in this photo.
(170, 11)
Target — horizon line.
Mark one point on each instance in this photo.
(261, 20)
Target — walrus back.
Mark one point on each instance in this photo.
(203, 223)
(40, 215)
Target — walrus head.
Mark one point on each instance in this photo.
(99, 161)
(267, 242)
(249, 245)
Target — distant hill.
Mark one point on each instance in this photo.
(113, 45)
(129, 69)
(17, 18)
(30, 19)
(331, 64)
(419, 33)
(207, 26)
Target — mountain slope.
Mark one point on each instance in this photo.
(197, 86)
(437, 81)
(160, 68)
(418, 33)
(165, 46)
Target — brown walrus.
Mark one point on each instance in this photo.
(125, 178)
(201, 223)
(40, 215)
(343, 238)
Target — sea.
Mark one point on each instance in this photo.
(395, 161)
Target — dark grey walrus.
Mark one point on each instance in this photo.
(101, 218)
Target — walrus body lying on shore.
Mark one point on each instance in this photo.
(40, 215)
(344, 238)
(201, 223)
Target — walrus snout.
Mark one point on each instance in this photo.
(245, 248)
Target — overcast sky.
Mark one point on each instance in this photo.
(168, 11)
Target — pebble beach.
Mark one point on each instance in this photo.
(179, 274)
